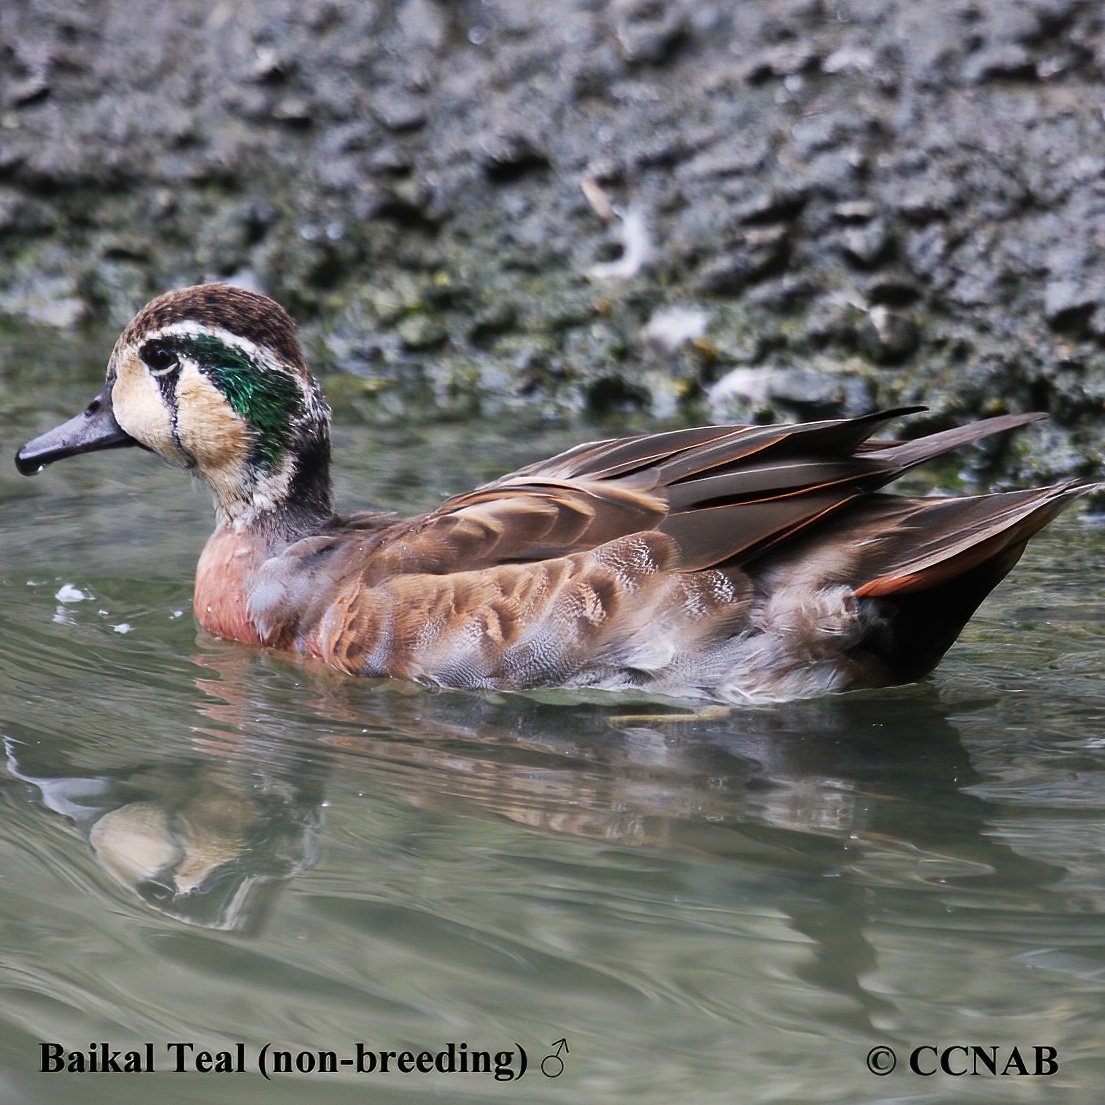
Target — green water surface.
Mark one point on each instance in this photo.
(207, 844)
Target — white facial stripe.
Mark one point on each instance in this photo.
(189, 328)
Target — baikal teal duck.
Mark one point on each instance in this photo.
(734, 563)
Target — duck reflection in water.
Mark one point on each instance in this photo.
(808, 805)
(207, 840)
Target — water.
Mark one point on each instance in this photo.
(206, 844)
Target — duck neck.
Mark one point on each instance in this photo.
(284, 503)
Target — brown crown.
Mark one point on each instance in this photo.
(249, 315)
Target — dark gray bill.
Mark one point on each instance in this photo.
(94, 428)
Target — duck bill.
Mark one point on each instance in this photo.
(94, 428)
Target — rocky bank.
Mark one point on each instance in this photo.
(691, 208)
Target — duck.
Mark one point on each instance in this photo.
(733, 563)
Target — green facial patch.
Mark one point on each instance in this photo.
(266, 398)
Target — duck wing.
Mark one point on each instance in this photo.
(626, 561)
(724, 494)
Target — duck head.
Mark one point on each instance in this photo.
(212, 379)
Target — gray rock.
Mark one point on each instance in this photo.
(855, 211)
(787, 391)
(398, 111)
(1068, 304)
(507, 156)
(889, 335)
(867, 245)
(892, 289)
(650, 32)
(27, 91)
(1006, 60)
(757, 254)
(419, 332)
(785, 60)
(423, 23)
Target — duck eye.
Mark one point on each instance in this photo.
(159, 359)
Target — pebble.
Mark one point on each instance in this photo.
(398, 112)
(508, 156)
(889, 335)
(1068, 303)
